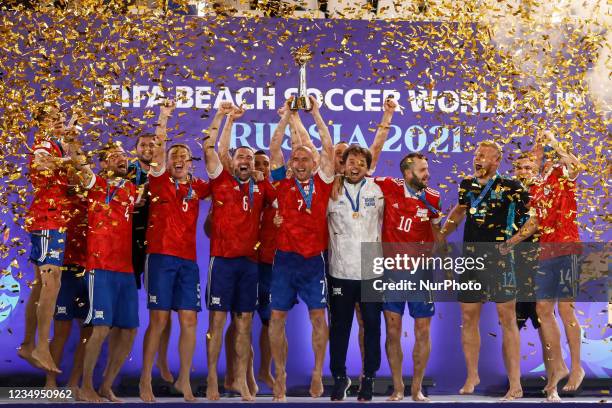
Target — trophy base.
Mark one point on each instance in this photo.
(300, 103)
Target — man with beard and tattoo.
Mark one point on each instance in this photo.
(410, 226)
(490, 204)
(237, 204)
(113, 296)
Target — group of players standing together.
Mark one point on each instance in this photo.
(276, 232)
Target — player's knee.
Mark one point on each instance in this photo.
(188, 320)
(566, 311)
(545, 310)
(469, 317)
(421, 330)
(318, 320)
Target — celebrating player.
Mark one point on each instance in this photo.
(299, 262)
(113, 309)
(490, 204)
(73, 298)
(172, 276)
(46, 221)
(554, 202)
(238, 201)
(411, 216)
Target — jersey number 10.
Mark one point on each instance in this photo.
(405, 224)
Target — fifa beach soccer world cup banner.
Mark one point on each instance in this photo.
(454, 88)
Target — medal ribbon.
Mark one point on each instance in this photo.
(189, 192)
(421, 197)
(354, 204)
(251, 189)
(475, 203)
(138, 172)
(307, 197)
(110, 194)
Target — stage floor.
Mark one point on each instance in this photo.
(456, 400)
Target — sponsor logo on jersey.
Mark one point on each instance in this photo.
(369, 201)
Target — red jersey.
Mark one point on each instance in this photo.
(267, 235)
(109, 217)
(173, 215)
(75, 252)
(50, 206)
(303, 231)
(236, 213)
(554, 201)
(406, 217)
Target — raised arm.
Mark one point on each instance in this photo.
(527, 230)
(567, 158)
(296, 122)
(223, 146)
(327, 151)
(161, 135)
(382, 132)
(276, 152)
(210, 155)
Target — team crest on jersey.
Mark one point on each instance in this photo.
(369, 201)
(395, 205)
(61, 310)
(99, 314)
(422, 213)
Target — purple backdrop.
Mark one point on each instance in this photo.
(355, 65)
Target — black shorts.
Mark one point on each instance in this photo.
(525, 311)
(497, 279)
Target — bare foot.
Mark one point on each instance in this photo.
(555, 377)
(316, 385)
(397, 395)
(185, 388)
(212, 388)
(25, 352)
(89, 395)
(45, 360)
(417, 395)
(229, 384)
(470, 384)
(553, 396)
(108, 394)
(575, 380)
(513, 394)
(252, 383)
(164, 371)
(245, 394)
(146, 391)
(279, 388)
(267, 378)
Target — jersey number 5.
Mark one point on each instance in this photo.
(405, 224)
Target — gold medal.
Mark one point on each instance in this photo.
(473, 210)
(355, 215)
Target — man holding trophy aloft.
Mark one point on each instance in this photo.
(299, 263)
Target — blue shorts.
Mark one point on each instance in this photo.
(557, 278)
(417, 310)
(265, 280)
(294, 275)
(47, 247)
(72, 299)
(232, 285)
(172, 283)
(113, 299)
(419, 302)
